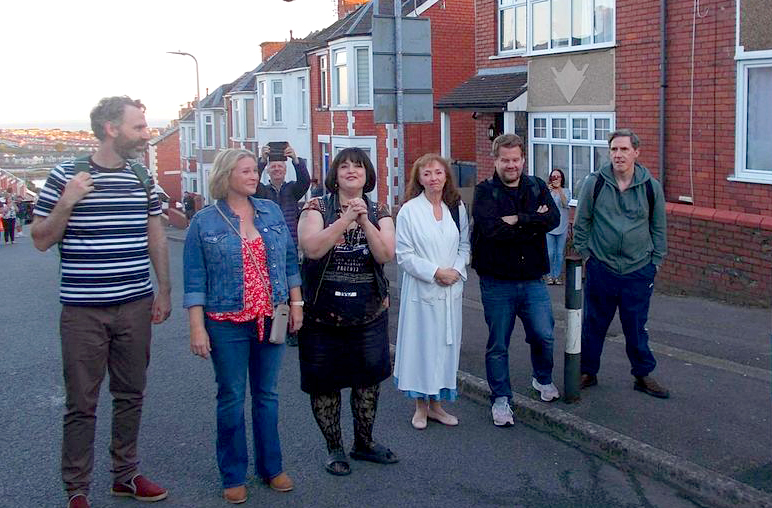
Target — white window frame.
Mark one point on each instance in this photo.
(274, 97)
(358, 78)
(236, 121)
(350, 47)
(568, 140)
(323, 92)
(302, 101)
(207, 120)
(336, 100)
(504, 5)
(262, 103)
(565, 49)
(745, 62)
(183, 142)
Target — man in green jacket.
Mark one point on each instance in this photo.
(620, 230)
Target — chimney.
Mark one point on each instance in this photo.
(268, 49)
(346, 7)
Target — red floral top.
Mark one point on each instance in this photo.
(257, 289)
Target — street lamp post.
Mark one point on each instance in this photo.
(199, 149)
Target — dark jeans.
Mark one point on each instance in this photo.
(236, 354)
(604, 292)
(10, 229)
(504, 300)
(116, 338)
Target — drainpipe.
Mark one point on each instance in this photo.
(662, 89)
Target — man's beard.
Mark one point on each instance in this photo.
(130, 150)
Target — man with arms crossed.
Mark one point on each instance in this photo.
(620, 229)
(512, 214)
(107, 223)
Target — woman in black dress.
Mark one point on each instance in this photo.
(346, 239)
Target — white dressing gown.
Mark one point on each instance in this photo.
(429, 326)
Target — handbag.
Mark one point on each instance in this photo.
(280, 318)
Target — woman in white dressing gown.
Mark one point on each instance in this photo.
(432, 251)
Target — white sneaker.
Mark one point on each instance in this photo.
(548, 392)
(502, 413)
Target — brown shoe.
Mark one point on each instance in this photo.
(281, 483)
(235, 495)
(588, 380)
(649, 386)
(78, 501)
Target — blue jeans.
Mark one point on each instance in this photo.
(604, 291)
(236, 352)
(556, 249)
(504, 300)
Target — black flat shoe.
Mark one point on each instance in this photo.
(374, 453)
(337, 463)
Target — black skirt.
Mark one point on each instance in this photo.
(336, 357)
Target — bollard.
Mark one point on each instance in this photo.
(571, 366)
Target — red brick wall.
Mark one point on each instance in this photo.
(484, 155)
(486, 37)
(718, 254)
(720, 247)
(320, 119)
(713, 124)
(167, 156)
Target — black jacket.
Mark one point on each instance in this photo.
(517, 252)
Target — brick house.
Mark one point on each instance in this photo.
(341, 89)
(164, 163)
(240, 111)
(282, 107)
(188, 152)
(211, 119)
(564, 73)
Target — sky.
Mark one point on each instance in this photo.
(57, 59)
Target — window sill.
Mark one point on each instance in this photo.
(571, 49)
(751, 179)
(504, 56)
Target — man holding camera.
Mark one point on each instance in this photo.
(285, 194)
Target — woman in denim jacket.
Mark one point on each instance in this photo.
(240, 262)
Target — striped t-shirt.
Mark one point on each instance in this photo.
(104, 250)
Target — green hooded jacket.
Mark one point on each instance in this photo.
(616, 230)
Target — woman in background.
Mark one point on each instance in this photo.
(556, 239)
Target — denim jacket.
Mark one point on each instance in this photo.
(213, 267)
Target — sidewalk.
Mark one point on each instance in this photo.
(712, 438)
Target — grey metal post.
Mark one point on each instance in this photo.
(571, 366)
(202, 188)
(400, 102)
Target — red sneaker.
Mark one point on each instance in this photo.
(78, 501)
(140, 488)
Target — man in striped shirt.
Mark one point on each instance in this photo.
(108, 228)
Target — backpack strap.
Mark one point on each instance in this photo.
(143, 175)
(456, 215)
(83, 165)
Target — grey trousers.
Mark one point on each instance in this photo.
(116, 338)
